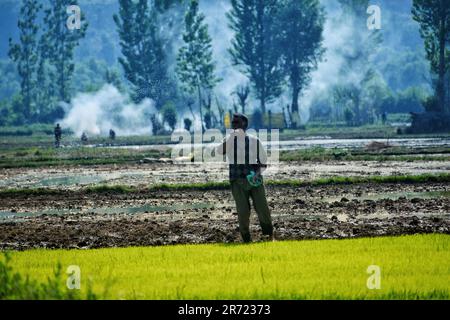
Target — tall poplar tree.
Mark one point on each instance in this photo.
(59, 43)
(301, 26)
(25, 55)
(256, 46)
(433, 17)
(144, 58)
(195, 65)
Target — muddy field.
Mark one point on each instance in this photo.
(144, 174)
(75, 219)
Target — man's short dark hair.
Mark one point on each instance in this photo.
(243, 117)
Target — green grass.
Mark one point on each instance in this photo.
(423, 178)
(14, 286)
(412, 267)
(223, 185)
(319, 154)
(444, 177)
(39, 157)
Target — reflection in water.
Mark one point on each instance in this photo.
(9, 215)
(71, 180)
(393, 196)
(327, 143)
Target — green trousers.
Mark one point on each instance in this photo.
(242, 192)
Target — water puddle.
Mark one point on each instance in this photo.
(42, 180)
(14, 216)
(71, 180)
(392, 196)
(308, 142)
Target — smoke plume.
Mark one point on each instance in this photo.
(98, 112)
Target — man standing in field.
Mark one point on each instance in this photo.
(247, 159)
(58, 134)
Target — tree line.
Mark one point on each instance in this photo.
(44, 59)
(277, 44)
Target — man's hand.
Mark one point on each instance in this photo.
(256, 176)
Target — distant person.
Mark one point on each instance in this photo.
(84, 137)
(58, 135)
(112, 134)
(247, 161)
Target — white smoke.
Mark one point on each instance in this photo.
(335, 39)
(339, 40)
(96, 113)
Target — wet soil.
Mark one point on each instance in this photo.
(141, 175)
(74, 219)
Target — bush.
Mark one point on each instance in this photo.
(170, 115)
(187, 124)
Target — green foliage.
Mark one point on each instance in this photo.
(376, 98)
(58, 44)
(349, 116)
(169, 115)
(413, 267)
(301, 50)
(9, 81)
(195, 65)
(44, 64)
(164, 5)
(256, 46)
(14, 286)
(409, 100)
(25, 56)
(431, 104)
(433, 17)
(369, 179)
(390, 154)
(144, 59)
(187, 124)
(112, 76)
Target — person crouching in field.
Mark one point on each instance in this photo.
(247, 159)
